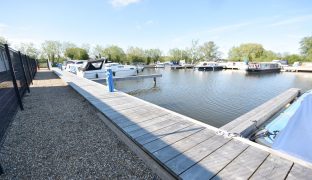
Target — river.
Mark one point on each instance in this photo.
(215, 98)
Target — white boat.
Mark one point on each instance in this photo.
(98, 68)
(159, 65)
(235, 65)
(291, 130)
(208, 66)
(263, 67)
(73, 65)
(140, 68)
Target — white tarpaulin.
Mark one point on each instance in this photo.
(296, 138)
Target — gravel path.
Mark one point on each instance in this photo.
(59, 136)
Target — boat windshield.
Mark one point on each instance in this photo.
(94, 66)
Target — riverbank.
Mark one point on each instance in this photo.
(63, 138)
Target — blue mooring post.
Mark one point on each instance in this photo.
(109, 80)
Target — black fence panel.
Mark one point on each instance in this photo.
(16, 73)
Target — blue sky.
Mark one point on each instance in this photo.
(277, 24)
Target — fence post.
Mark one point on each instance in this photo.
(23, 67)
(27, 63)
(109, 80)
(13, 76)
(1, 170)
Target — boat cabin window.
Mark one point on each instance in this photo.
(79, 63)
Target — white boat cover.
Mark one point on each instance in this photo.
(296, 138)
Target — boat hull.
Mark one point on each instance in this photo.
(263, 70)
(210, 68)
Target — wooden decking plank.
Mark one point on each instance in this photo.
(162, 132)
(184, 161)
(114, 115)
(145, 124)
(244, 165)
(273, 167)
(299, 172)
(155, 127)
(172, 138)
(143, 119)
(213, 163)
(179, 147)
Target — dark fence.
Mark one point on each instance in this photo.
(17, 71)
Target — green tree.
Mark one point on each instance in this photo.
(209, 51)
(86, 47)
(114, 53)
(175, 54)
(153, 55)
(97, 51)
(293, 58)
(3, 40)
(52, 50)
(269, 56)
(194, 52)
(76, 53)
(29, 49)
(249, 51)
(306, 48)
(135, 55)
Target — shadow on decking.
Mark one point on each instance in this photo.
(179, 168)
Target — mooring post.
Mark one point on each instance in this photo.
(154, 81)
(109, 80)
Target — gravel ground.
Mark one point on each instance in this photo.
(59, 136)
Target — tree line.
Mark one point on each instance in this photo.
(57, 51)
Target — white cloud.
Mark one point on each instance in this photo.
(293, 20)
(122, 3)
(149, 22)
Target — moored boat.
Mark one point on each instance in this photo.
(98, 68)
(208, 66)
(159, 65)
(263, 67)
(268, 134)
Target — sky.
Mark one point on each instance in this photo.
(278, 25)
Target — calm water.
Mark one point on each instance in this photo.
(214, 98)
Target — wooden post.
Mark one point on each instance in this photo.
(154, 81)
(24, 73)
(13, 76)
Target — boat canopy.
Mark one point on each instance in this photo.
(295, 139)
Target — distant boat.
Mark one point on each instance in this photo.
(159, 65)
(263, 67)
(208, 66)
(73, 65)
(98, 68)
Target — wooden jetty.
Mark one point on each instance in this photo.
(297, 69)
(178, 147)
(138, 77)
(251, 121)
(188, 66)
